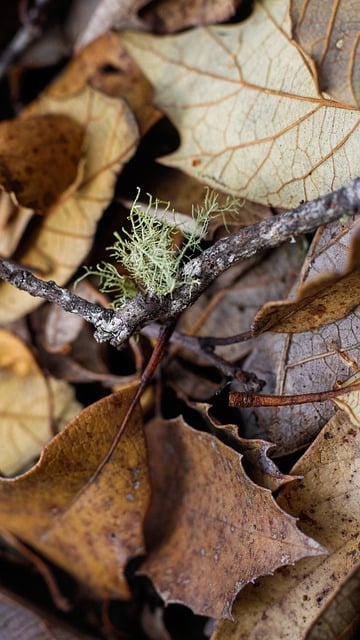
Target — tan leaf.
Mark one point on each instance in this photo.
(13, 222)
(350, 402)
(125, 80)
(210, 529)
(326, 298)
(90, 528)
(39, 158)
(64, 237)
(19, 620)
(246, 103)
(32, 407)
(305, 362)
(327, 503)
(328, 30)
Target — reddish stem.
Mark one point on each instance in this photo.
(245, 399)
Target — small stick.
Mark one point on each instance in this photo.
(245, 399)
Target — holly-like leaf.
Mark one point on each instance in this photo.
(248, 109)
(327, 502)
(64, 236)
(89, 526)
(210, 529)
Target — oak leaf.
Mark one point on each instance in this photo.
(210, 529)
(329, 32)
(89, 526)
(247, 106)
(32, 407)
(327, 502)
(64, 236)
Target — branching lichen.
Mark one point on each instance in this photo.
(148, 251)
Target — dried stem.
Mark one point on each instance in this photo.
(245, 399)
(117, 327)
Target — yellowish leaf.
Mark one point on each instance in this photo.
(248, 109)
(64, 236)
(32, 407)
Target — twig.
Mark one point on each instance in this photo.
(117, 327)
(246, 399)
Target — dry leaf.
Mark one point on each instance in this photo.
(305, 362)
(64, 237)
(245, 101)
(328, 30)
(13, 222)
(39, 158)
(210, 529)
(19, 621)
(91, 528)
(319, 301)
(32, 407)
(327, 503)
(125, 80)
(167, 16)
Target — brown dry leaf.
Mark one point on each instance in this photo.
(124, 81)
(39, 158)
(64, 237)
(328, 30)
(210, 529)
(89, 528)
(19, 621)
(32, 407)
(326, 298)
(305, 362)
(327, 503)
(246, 103)
(167, 16)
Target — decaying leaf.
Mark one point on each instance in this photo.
(125, 80)
(32, 407)
(328, 30)
(210, 529)
(90, 528)
(305, 362)
(39, 158)
(319, 301)
(246, 103)
(18, 620)
(168, 16)
(326, 500)
(13, 222)
(64, 236)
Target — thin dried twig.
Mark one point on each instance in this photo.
(118, 326)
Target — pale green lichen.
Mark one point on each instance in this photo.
(148, 251)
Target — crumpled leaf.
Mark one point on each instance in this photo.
(13, 222)
(326, 298)
(64, 237)
(91, 528)
(245, 101)
(32, 407)
(305, 362)
(210, 529)
(328, 30)
(39, 158)
(20, 621)
(327, 502)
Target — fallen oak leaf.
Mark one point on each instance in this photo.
(210, 530)
(64, 236)
(326, 499)
(246, 103)
(89, 528)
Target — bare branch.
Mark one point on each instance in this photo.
(117, 327)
